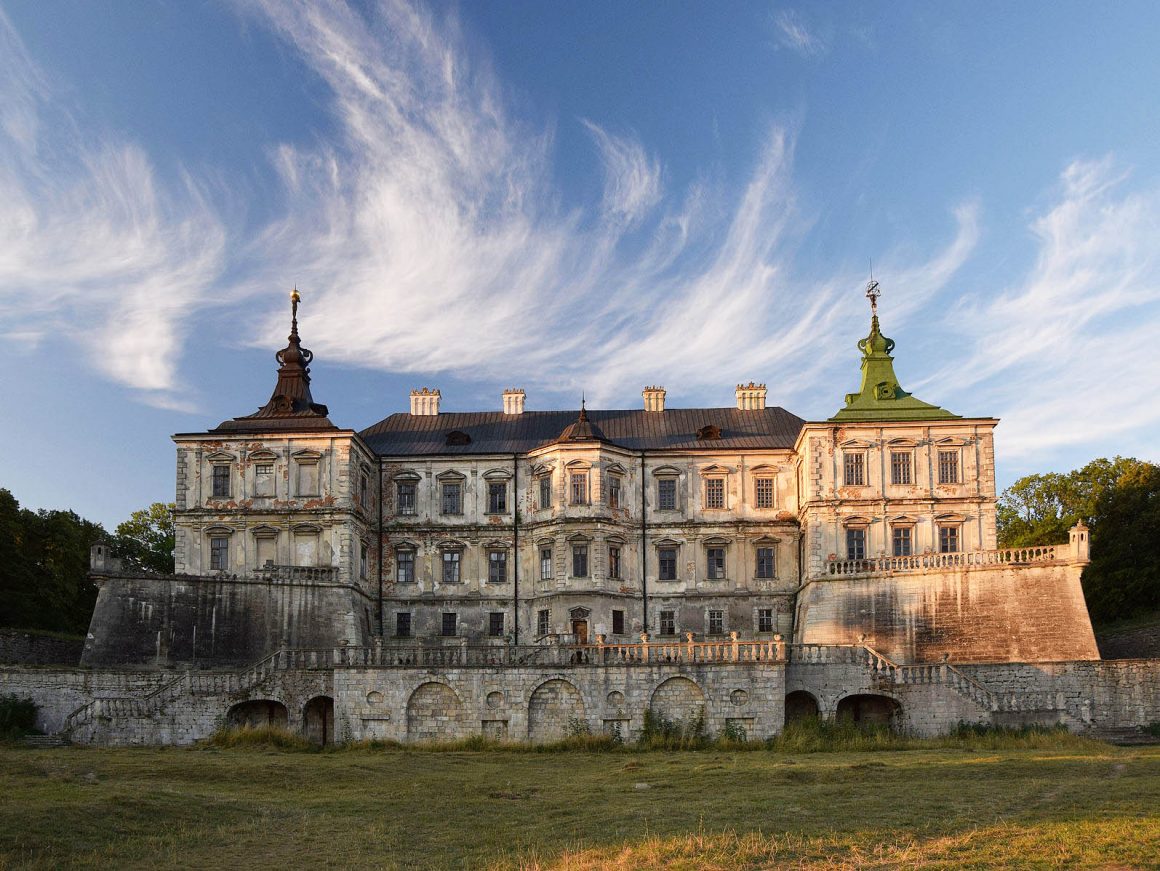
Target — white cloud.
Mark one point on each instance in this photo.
(632, 180)
(794, 34)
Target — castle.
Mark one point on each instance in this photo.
(514, 571)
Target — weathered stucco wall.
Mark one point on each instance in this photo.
(1029, 613)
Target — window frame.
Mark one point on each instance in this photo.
(772, 561)
(403, 622)
(617, 620)
(857, 532)
(400, 552)
(304, 460)
(219, 551)
(766, 620)
(221, 483)
(580, 559)
(667, 623)
(854, 460)
(902, 538)
(901, 466)
(545, 491)
(664, 483)
(495, 629)
(546, 563)
(946, 530)
(955, 465)
(716, 493)
(758, 483)
(497, 505)
(716, 561)
(497, 565)
(614, 490)
(406, 505)
(578, 487)
(662, 560)
(614, 562)
(715, 621)
(451, 556)
(444, 492)
(454, 615)
(543, 622)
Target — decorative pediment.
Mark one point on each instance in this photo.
(902, 443)
(667, 542)
(855, 445)
(715, 470)
(497, 544)
(667, 472)
(265, 455)
(579, 613)
(950, 518)
(579, 538)
(716, 541)
(218, 530)
(265, 531)
(307, 455)
(406, 544)
(857, 521)
(407, 476)
(220, 457)
(903, 520)
(766, 540)
(307, 529)
(452, 544)
(765, 470)
(450, 475)
(617, 469)
(498, 474)
(615, 539)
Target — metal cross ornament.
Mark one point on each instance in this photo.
(872, 294)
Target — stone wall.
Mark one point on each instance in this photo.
(29, 648)
(60, 691)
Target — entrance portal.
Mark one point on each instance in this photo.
(318, 720)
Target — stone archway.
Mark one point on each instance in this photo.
(434, 712)
(553, 707)
(678, 699)
(800, 705)
(869, 710)
(318, 720)
(257, 714)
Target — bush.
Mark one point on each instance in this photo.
(259, 738)
(658, 732)
(17, 718)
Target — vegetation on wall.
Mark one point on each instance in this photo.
(1120, 500)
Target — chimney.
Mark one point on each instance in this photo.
(654, 398)
(513, 401)
(424, 402)
(751, 397)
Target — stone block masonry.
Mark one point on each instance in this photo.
(30, 648)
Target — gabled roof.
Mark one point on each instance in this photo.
(493, 432)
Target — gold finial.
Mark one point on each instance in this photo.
(872, 293)
(294, 297)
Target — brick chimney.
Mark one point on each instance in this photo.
(751, 397)
(425, 402)
(513, 401)
(654, 398)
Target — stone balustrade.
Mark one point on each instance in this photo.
(926, 562)
(316, 574)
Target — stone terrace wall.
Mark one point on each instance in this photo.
(29, 648)
(60, 691)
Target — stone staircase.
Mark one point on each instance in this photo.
(44, 741)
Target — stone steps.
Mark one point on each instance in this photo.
(41, 741)
(1125, 736)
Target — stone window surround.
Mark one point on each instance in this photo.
(218, 460)
(307, 458)
(584, 541)
(850, 450)
(446, 547)
(905, 448)
(766, 542)
(668, 473)
(218, 533)
(950, 446)
(500, 549)
(573, 471)
(411, 548)
(716, 543)
(715, 474)
(760, 474)
(856, 522)
(263, 457)
(675, 546)
(496, 477)
(457, 479)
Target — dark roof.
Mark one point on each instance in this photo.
(493, 432)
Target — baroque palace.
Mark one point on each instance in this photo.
(519, 572)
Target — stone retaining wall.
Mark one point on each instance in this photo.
(29, 648)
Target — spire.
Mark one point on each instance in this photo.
(582, 430)
(881, 397)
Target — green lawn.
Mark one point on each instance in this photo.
(1085, 805)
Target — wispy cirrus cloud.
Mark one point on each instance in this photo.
(796, 35)
(632, 179)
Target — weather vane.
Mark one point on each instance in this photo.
(872, 294)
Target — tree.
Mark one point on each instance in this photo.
(145, 541)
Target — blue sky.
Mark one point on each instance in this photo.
(569, 197)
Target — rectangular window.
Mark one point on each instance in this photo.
(716, 622)
(667, 494)
(451, 563)
(948, 467)
(405, 566)
(579, 560)
(716, 560)
(497, 567)
(363, 489)
(715, 493)
(219, 554)
(495, 624)
(362, 561)
(545, 563)
(614, 491)
(614, 563)
(450, 624)
(903, 540)
(668, 623)
(855, 544)
(452, 498)
(855, 467)
(764, 619)
(764, 562)
(900, 468)
(579, 488)
(497, 498)
(763, 492)
(667, 563)
(308, 479)
(403, 624)
(546, 491)
(221, 482)
(543, 622)
(617, 622)
(264, 479)
(405, 497)
(948, 539)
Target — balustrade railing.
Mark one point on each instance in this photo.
(969, 559)
(322, 574)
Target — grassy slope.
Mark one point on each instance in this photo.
(1087, 804)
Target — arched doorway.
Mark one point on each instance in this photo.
(869, 710)
(257, 714)
(318, 720)
(800, 705)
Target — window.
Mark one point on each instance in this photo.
(546, 491)
(900, 468)
(668, 623)
(764, 562)
(855, 543)
(543, 622)
(617, 622)
(763, 492)
(264, 479)
(948, 467)
(716, 563)
(545, 563)
(450, 623)
(716, 621)
(579, 560)
(405, 566)
(715, 493)
(764, 619)
(451, 563)
(614, 491)
(405, 497)
(307, 477)
(667, 563)
(497, 567)
(221, 482)
(362, 561)
(452, 497)
(579, 488)
(363, 489)
(219, 553)
(495, 624)
(948, 539)
(403, 624)
(667, 494)
(497, 498)
(855, 467)
(614, 562)
(902, 539)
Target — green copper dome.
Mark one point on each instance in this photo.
(881, 397)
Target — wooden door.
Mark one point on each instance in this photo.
(580, 631)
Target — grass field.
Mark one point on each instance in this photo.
(1078, 803)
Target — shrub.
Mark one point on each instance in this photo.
(17, 717)
(260, 738)
(658, 732)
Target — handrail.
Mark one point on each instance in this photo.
(968, 559)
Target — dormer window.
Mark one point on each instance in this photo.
(458, 438)
(709, 432)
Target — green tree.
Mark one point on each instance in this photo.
(145, 541)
